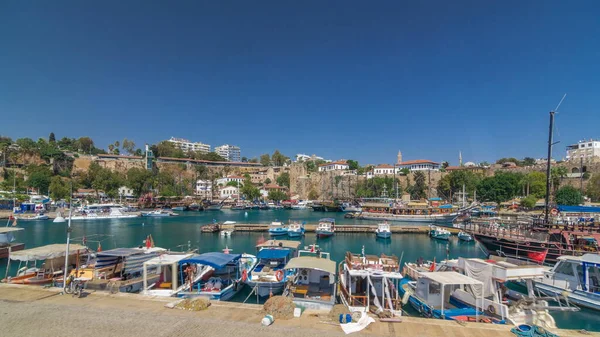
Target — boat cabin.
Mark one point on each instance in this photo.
(576, 273)
(169, 280)
(435, 290)
(314, 285)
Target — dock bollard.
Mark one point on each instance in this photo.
(267, 320)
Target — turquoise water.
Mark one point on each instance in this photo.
(177, 233)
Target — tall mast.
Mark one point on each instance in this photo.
(550, 139)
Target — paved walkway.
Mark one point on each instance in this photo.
(27, 311)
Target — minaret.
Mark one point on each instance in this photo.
(399, 158)
(460, 158)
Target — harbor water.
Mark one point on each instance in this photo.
(183, 231)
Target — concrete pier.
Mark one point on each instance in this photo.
(310, 228)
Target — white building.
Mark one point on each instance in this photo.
(204, 189)
(223, 181)
(334, 166)
(229, 152)
(384, 170)
(586, 149)
(419, 165)
(228, 192)
(126, 192)
(185, 145)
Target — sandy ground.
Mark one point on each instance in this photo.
(26, 311)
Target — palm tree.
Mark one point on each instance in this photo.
(557, 174)
(526, 181)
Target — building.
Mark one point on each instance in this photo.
(186, 146)
(586, 149)
(229, 152)
(384, 169)
(300, 157)
(228, 192)
(223, 181)
(420, 165)
(264, 191)
(258, 177)
(334, 166)
(204, 189)
(126, 192)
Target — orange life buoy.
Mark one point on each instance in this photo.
(279, 275)
(554, 212)
(244, 275)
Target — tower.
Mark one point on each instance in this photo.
(460, 158)
(399, 158)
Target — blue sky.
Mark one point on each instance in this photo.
(341, 79)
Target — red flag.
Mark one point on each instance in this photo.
(99, 247)
(537, 256)
(148, 242)
(432, 267)
(312, 248)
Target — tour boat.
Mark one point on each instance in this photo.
(300, 205)
(179, 208)
(326, 227)
(268, 276)
(367, 281)
(351, 207)
(464, 236)
(213, 207)
(314, 286)
(158, 213)
(277, 229)
(115, 213)
(295, 230)
(383, 231)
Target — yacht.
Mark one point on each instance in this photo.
(300, 205)
(115, 213)
(158, 213)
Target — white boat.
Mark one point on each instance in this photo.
(39, 216)
(350, 207)
(446, 218)
(268, 275)
(59, 218)
(326, 228)
(575, 277)
(302, 204)
(158, 213)
(383, 231)
(369, 280)
(115, 213)
(226, 232)
(314, 286)
(296, 229)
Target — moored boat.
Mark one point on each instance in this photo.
(296, 229)
(440, 233)
(115, 213)
(464, 236)
(383, 231)
(37, 217)
(7, 241)
(268, 275)
(159, 213)
(277, 229)
(213, 207)
(326, 228)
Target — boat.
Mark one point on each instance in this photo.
(59, 218)
(277, 229)
(238, 207)
(38, 216)
(576, 277)
(302, 204)
(210, 228)
(442, 294)
(390, 210)
(440, 233)
(52, 267)
(296, 229)
(159, 213)
(195, 207)
(115, 213)
(383, 231)
(314, 287)
(370, 280)
(7, 241)
(351, 207)
(327, 207)
(170, 281)
(326, 228)
(268, 277)
(464, 236)
(178, 208)
(213, 206)
(226, 232)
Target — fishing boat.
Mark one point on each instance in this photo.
(351, 207)
(326, 228)
(268, 275)
(302, 204)
(37, 217)
(296, 229)
(277, 229)
(440, 234)
(213, 206)
(576, 277)
(170, 281)
(115, 213)
(464, 236)
(434, 295)
(178, 208)
(52, 267)
(159, 213)
(221, 275)
(7, 241)
(383, 231)
(314, 286)
(370, 280)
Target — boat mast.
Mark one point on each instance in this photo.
(548, 165)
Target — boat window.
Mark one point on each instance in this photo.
(594, 275)
(434, 288)
(564, 268)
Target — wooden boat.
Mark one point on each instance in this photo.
(326, 228)
(277, 229)
(268, 275)
(383, 231)
(296, 230)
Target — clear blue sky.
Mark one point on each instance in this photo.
(341, 79)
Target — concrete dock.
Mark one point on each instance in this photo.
(310, 228)
(33, 311)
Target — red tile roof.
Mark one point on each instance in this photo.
(418, 161)
(384, 166)
(334, 163)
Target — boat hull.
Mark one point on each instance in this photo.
(295, 234)
(445, 219)
(324, 234)
(443, 237)
(383, 235)
(278, 233)
(265, 289)
(520, 249)
(581, 298)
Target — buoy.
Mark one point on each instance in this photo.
(267, 320)
(245, 214)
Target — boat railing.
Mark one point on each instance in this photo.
(354, 300)
(511, 232)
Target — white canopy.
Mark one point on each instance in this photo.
(166, 259)
(4, 230)
(47, 252)
(450, 277)
(310, 262)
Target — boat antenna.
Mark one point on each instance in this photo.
(548, 164)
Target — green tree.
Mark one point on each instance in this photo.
(277, 195)
(593, 188)
(528, 202)
(310, 166)
(27, 145)
(39, 177)
(267, 181)
(484, 164)
(528, 161)
(59, 189)
(535, 184)
(139, 180)
(253, 160)
(250, 192)
(501, 187)
(557, 174)
(417, 191)
(569, 196)
(128, 146)
(284, 180)
(404, 171)
(212, 156)
(244, 159)
(444, 187)
(508, 160)
(234, 184)
(85, 144)
(51, 138)
(445, 164)
(265, 159)
(352, 164)
(278, 159)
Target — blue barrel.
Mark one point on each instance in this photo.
(345, 318)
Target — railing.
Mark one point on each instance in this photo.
(353, 300)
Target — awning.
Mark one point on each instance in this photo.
(214, 259)
(166, 259)
(46, 252)
(579, 209)
(273, 253)
(446, 206)
(327, 220)
(447, 278)
(310, 262)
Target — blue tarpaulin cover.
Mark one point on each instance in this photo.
(579, 209)
(215, 259)
(273, 253)
(446, 206)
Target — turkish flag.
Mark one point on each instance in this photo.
(537, 256)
